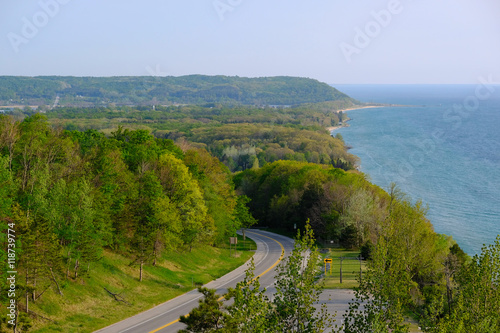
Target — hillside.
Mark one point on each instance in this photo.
(153, 90)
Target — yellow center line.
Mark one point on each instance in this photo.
(277, 262)
(258, 276)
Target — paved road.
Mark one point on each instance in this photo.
(271, 248)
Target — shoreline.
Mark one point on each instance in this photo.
(331, 129)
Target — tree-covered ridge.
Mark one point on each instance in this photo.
(340, 205)
(245, 146)
(170, 119)
(70, 195)
(241, 137)
(73, 195)
(412, 270)
(154, 90)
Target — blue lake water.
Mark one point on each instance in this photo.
(445, 150)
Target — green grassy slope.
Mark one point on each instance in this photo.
(87, 306)
(350, 269)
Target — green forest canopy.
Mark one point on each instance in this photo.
(151, 181)
(241, 137)
(73, 194)
(154, 90)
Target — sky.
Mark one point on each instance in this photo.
(334, 41)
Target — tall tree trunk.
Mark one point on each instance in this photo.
(27, 296)
(34, 284)
(154, 255)
(77, 264)
(67, 267)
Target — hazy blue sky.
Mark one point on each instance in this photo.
(422, 41)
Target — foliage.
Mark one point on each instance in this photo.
(291, 309)
(215, 182)
(191, 89)
(243, 217)
(476, 305)
(251, 308)
(367, 250)
(286, 193)
(208, 316)
(380, 298)
(242, 137)
(406, 273)
(72, 195)
(238, 145)
(297, 290)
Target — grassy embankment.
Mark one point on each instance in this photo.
(87, 306)
(350, 265)
(350, 269)
(350, 275)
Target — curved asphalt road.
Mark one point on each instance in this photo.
(271, 248)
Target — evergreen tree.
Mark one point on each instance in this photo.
(207, 317)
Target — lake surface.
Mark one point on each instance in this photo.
(444, 150)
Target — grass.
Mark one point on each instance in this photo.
(86, 306)
(350, 276)
(414, 327)
(350, 269)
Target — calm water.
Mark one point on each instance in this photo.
(445, 150)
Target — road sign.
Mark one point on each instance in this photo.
(328, 261)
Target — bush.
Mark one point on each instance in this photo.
(367, 250)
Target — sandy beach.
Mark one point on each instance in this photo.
(333, 128)
(362, 107)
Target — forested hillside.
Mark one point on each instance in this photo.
(68, 196)
(89, 187)
(155, 90)
(413, 271)
(241, 137)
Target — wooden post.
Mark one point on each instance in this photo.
(360, 272)
(140, 272)
(341, 259)
(232, 240)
